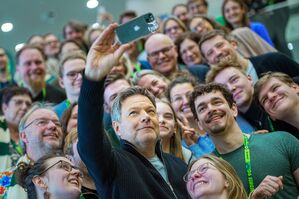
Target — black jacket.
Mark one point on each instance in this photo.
(275, 62)
(124, 172)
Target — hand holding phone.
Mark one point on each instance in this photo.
(136, 28)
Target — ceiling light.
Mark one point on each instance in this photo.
(92, 4)
(19, 46)
(6, 27)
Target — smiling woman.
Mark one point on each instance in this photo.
(52, 176)
(213, 177)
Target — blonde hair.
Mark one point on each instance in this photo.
(284, 78)
(235, 189)
(216, 69)
(69, 140)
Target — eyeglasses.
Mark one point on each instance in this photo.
(63, 165)
(41, 122)
(175, 28)
(72, 75)
(156, 54)
(200, 170)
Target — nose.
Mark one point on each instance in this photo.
(231, 87)
(199, 29)
(161, 119)
(195, 175)
(272, 96)
(145, 117)
(188, 53)
(218, 52)
(79, 76)
(161, 54)
(185, 100)
(210, 108)
(76, 172)
(24, 105)
(51, 125)
(155, 90)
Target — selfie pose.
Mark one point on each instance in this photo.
(52, 176)
(213, 177)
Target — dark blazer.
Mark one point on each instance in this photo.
(124, 172)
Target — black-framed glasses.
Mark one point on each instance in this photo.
(61, 164)
(72, 75)
(156, 54)
(41, 122)
(200, 170)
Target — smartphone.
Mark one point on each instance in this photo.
(136, 28)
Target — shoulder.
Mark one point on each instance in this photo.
(173, 160)
(267, 57)
(274, 137)
(51, 88)
(257, 25)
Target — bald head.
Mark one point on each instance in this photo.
(161, 54)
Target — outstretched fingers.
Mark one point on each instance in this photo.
(106, 37)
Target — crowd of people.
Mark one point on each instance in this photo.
(205, 108)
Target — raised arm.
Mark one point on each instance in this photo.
(93, 145)
(103, 55)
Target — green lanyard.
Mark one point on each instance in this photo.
(247, 162)
(67, 103)
(44, 94)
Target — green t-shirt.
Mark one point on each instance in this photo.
(275, 154)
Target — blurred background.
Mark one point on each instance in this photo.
(29, 17)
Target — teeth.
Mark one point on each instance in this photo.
(74, 182)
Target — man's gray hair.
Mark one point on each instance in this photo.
(35, 106)
(134, 90)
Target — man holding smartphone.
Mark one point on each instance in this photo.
(139, 169)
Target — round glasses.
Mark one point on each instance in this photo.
(200, 170)
(61, 164)
(72, 75)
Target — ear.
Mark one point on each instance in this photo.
(23, 137)
(226, 184)
(294, 85)
(106, 108)
(61, 84)
(39, 182)
(234, 110)
(175, 50)
(4, 107)
(17, 68)
(250, 79)
(116, 127)
(234, 43)
(147, 58)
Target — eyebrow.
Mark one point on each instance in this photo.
(233, 76)
(212, 99)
